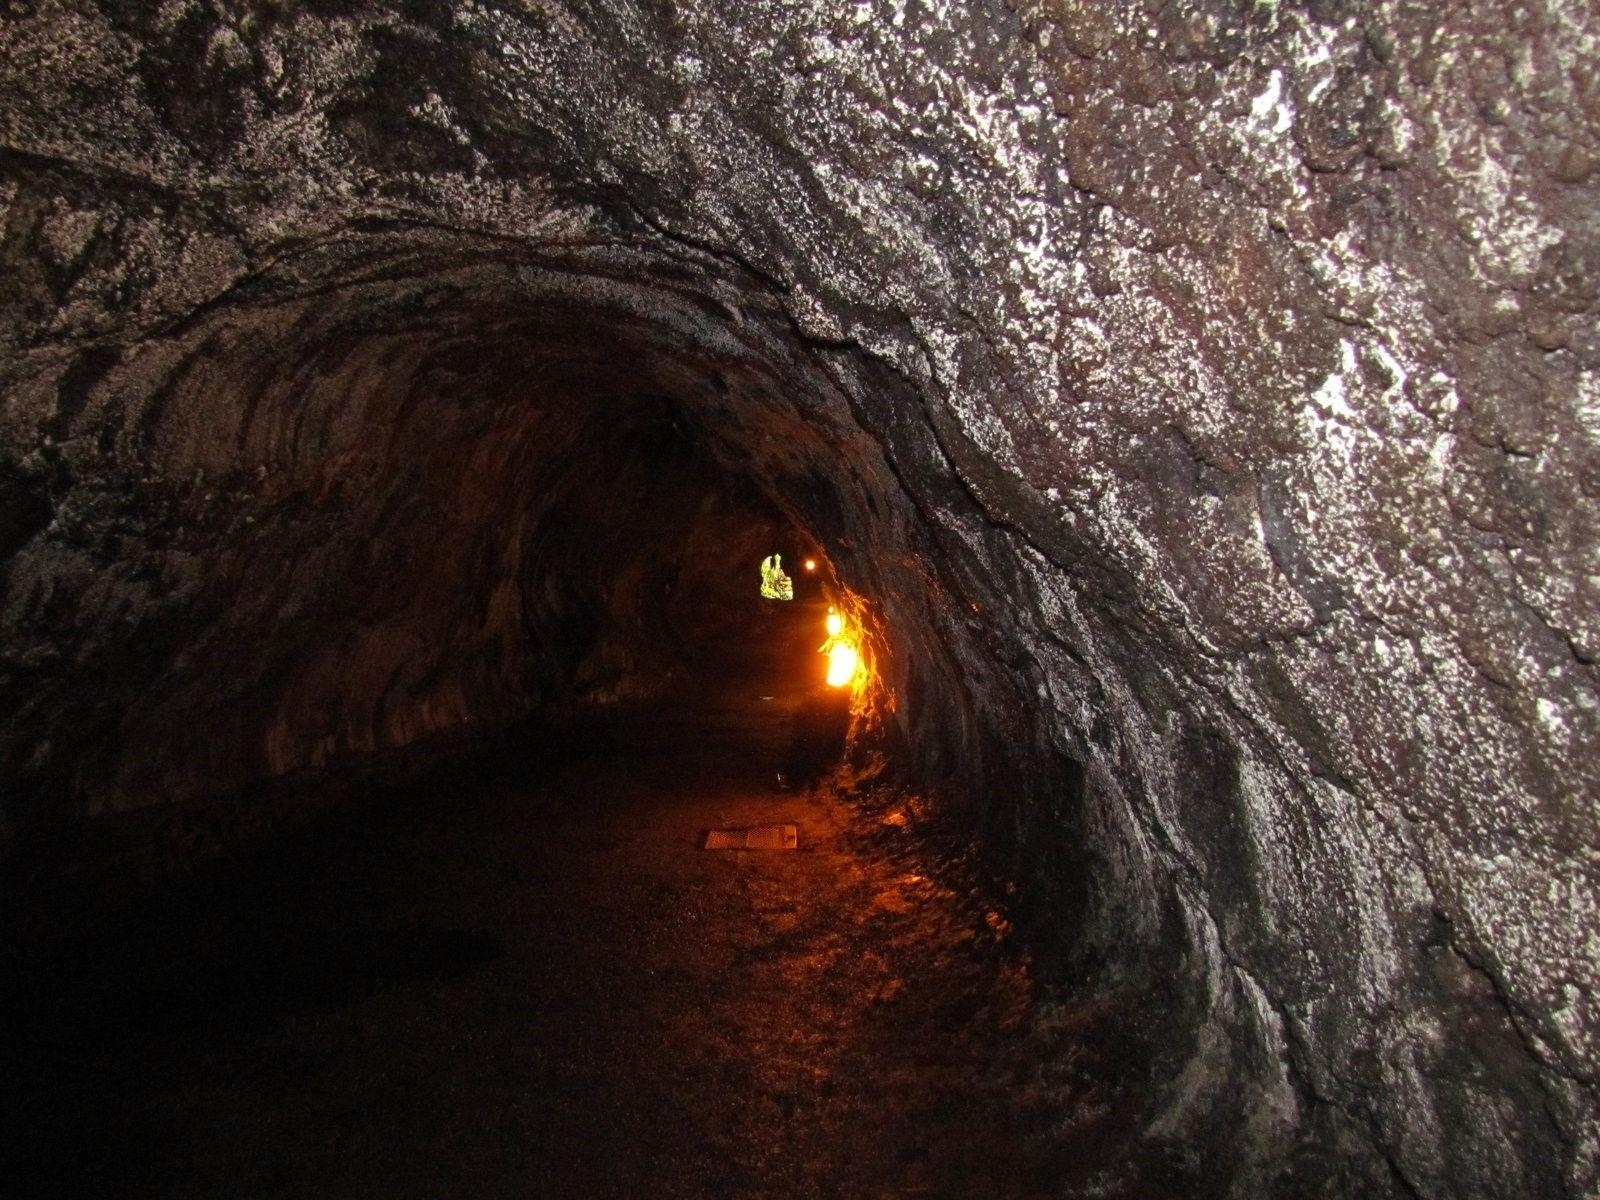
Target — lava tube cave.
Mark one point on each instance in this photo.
(799, 598)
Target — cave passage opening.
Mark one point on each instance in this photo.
(1193, 404)
(408, 484)
(480, 530)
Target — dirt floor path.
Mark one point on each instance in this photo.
(527, 979)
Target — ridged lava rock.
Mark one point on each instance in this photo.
(1206, 393)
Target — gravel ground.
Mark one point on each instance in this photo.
(521, 976)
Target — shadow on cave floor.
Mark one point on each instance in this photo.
(521, 976)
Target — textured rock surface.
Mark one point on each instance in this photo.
(1207, 394)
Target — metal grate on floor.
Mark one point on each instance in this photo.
(754, 837)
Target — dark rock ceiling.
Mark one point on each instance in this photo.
(1205, 393)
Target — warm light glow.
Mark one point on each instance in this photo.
(811, 564)
(842, 650)
(843, 662)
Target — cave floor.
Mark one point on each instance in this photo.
(521, 976)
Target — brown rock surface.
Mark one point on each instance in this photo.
(1207, 393)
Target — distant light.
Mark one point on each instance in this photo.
(843, 662)
(775, 584)
(835, 624)
(811, 564)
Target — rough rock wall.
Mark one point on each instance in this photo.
(366, 500)
(1217, 389)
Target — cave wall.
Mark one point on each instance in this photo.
(394, 488)
(1206, 391)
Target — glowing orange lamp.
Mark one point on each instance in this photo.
(844, 660)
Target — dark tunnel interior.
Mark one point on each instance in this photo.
(1173, 775)
(472, 519)
(454, 490)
